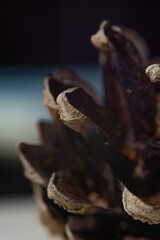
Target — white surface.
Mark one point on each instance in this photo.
(19, 221)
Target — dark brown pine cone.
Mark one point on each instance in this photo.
(94, 157)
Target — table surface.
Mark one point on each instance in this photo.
(19, 220)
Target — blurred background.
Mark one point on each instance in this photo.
(36, 38)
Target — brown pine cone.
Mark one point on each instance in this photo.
(94, 157)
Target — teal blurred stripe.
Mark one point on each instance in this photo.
(21, 105)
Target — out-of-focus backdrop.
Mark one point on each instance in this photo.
(37, 37)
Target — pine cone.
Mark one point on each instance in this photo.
(94, 157)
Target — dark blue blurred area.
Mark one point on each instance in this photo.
(51, 32)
